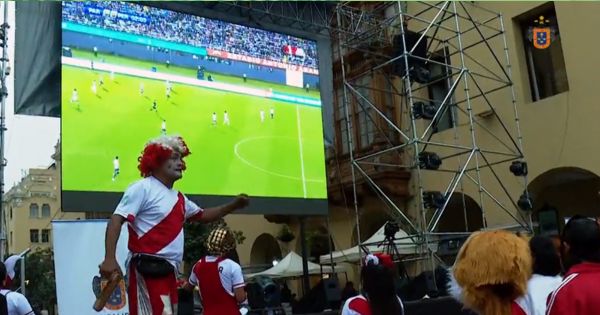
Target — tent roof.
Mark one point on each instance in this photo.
(291, 266)
(405, 245)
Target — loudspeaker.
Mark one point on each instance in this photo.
(548, 221)
(263, 292)
(333, 293)
(417, 67)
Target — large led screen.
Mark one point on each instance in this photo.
(246, 101)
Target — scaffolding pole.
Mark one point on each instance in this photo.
(389, 37)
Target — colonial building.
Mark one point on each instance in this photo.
(31, 205)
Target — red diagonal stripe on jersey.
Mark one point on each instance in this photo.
(161, 234)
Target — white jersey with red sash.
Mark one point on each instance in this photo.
(217, 278)
(156, 215)
(359, 305)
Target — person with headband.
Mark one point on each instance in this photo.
(219, 279)
(379, 292)
(155, 213)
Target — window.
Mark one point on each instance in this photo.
(34, 236)
(341, 121)
(34, 210)
(11, 213)
(364, 110)
(546, 67)
(45, 210)
(440, 88)
(45, 236)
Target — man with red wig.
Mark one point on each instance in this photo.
(155, 213)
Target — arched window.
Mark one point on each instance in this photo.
(45, 210)
(34, 210)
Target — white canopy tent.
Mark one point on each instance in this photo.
(291, 266)
(405, 245)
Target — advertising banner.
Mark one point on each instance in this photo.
(78, 250)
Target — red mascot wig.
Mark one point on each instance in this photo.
(158, 151)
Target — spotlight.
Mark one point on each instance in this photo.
(519, 168)
(429, 160)
(424, 110)
(525, 202)
(433, 199)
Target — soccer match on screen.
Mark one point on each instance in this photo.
(246, 101)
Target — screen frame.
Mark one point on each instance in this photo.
(92, 201)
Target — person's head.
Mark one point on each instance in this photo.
(546, 259)
(116, 157)
(220, 241)
(377, 278)
(580, 241)
(163, 158)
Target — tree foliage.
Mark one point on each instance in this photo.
(40, 280)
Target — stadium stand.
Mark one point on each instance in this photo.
(192, 30)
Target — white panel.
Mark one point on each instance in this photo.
(78, 250)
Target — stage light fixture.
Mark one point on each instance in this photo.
(519, 168)
(424, 110)
(433, 199)
(525, 202)
(429, 160)
(390, 229)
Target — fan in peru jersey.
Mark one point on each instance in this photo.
(219, 279)
(155, 213)
(379, 293)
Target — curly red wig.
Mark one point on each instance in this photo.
(158, 151)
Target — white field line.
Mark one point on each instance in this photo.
(82, 63)
(301, 150)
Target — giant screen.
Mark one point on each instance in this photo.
(246, 100)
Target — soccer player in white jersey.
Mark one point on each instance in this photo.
(168, 92)
(94, 87)
(156, 213)
(141, 88)
(74, 96)
(226, 118)
(163, 127)
(219, 278)
(214, 119)
(116, 168)
(272, 112)
(262, 115)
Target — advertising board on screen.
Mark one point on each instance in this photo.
(246, 101)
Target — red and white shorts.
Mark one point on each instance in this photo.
(152, 296)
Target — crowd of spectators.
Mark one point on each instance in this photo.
(192, 30)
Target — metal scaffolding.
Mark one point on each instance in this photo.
(446, 64)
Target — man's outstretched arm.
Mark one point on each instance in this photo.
(216, 213)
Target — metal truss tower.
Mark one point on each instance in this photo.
(455, 127)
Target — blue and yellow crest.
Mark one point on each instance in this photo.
(118, 299)
(543, 34)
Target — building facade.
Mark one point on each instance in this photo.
(555, 97)
(31, 205)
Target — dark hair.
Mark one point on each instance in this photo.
(378, 284)
(583, 237)
(546, 259)
(2, 274)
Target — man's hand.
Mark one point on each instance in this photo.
(241, 202)
(108, 267)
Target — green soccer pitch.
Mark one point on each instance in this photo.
(280, 157)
